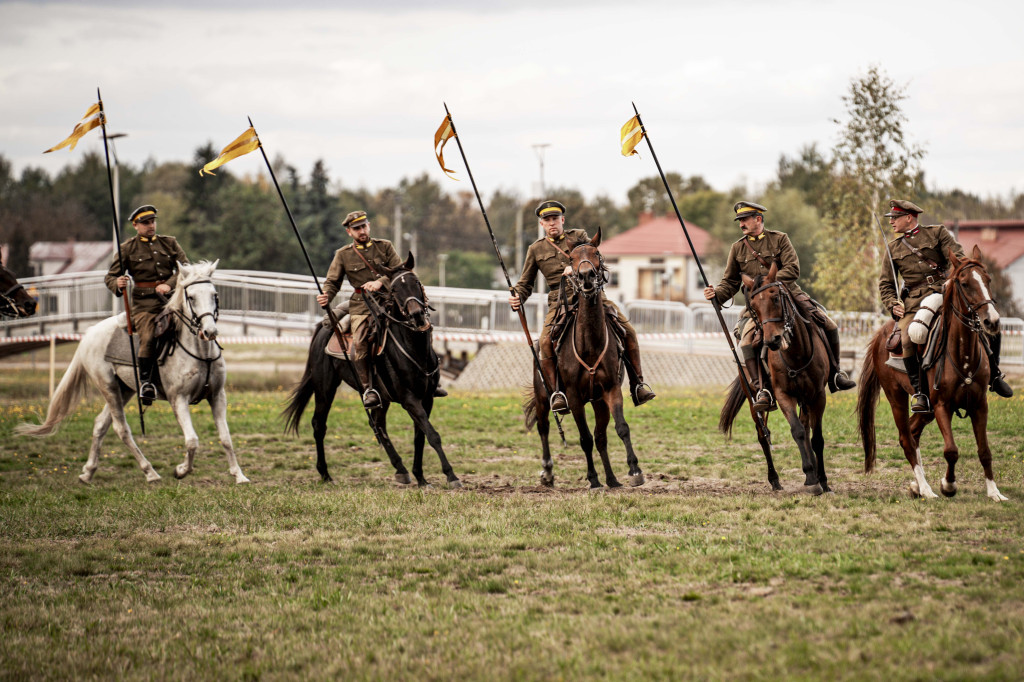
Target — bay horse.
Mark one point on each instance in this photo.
(407, 372)
(193, 370)
(590, 364)
(14, 300)
(798, 364)
(968, 316)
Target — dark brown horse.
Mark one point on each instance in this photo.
(14, 300)
(798, 365)
(590, 365)
(968, 316)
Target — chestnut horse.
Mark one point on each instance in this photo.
(590, 364)
(14, 300)
(798, 364)
(968, 316)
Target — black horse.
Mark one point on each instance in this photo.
(407, 372)
(14, 300)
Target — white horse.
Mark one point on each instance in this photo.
(193, 371)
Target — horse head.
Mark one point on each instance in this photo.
(588, 267)
(968, 290)
(14, 300)
(195, 298)
(409, 295)
(766, 299)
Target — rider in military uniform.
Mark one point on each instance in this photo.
(362, 262)
(550, 256)
(919, 256)
(151, 261)
(753, 255)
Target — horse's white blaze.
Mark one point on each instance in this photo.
(991, 312)
(923, 489)
(992, 491)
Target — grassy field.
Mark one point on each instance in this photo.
(701, 573)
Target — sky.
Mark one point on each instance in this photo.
(725, 87)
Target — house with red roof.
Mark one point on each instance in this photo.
(55, 258)
(1000, 240)
(653, 261)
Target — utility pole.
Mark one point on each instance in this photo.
(117, 176)
(397, 228)
(541, 288)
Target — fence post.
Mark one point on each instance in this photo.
(53, 362)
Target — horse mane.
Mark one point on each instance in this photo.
(187, 274)
(948, 287)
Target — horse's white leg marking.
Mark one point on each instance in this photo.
(993, 492)
(948, 487)
(219, 407)
(992, 313)
(922, 487)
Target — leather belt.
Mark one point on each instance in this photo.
(150, 285)
(358, 290)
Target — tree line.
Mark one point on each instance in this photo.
(824, 200)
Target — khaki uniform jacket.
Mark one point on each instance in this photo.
(544, 257)
(921, 278)
(379, 253)
(772, 246)
(147, 260)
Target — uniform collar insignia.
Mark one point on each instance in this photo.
(757, 238)
(561, 237)
(914, 231)
(145, 240)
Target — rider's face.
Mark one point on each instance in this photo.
(361, 234)
(752, 225)
(554, 225)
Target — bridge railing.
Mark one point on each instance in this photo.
(280, 303)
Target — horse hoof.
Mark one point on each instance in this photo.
(152, 477)
(915, 491)
(241, 479)
(404, 479)
(454, 485)
(614, 484)
(776, 486)
(179, 474)
(637, 480)
(948, 489)
(596, 487)
(83, 478)
(815, 489)
(547, 479)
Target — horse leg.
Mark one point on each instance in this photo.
(100, 426)
(323, 400)
(419, 417)
(816, 414)
(799, 433)
(579, 414)
(380, 418)
(547, 475)
(601, 418)
(124, 432)
(979, 420)
(614, 398)
(909, 428)
(179, 405)
(219, 408)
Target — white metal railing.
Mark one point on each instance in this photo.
(286, 302)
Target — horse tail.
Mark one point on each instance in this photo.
(867, 400)
(733, 402)
(530, 408)
(64, 398)
(300, 395)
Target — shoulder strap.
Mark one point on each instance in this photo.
(758, 256)
(917, 252)
(564, 252)
(363, 258)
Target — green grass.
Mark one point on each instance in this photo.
(702, 573)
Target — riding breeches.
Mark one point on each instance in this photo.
(362, 329)
(746, 327)
(547, 349)
(144, 323)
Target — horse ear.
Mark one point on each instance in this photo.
(773, 271)
(214, 266)
(596, 240)
(954, 261)
(976, 253)
(748, 282)
(410, 262)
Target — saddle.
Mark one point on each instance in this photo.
(933, 349)
(119, 351)
(334, 349)
(566, 315)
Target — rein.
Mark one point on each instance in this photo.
(970, 320)
(592, 295)
(790, 313)
(406, 320)
(7, 301)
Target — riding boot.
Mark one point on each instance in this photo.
(920, 403)
(440, 392)
(763, 401)
(997, 380)
(559, 403)
(640, 391)
(371, 398)
(147, 391)
(840, 380)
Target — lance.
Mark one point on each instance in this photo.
(504, 270)
(330, 313)
(120, 261)
(759, 420)
(892, 266)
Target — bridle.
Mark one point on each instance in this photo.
(790, 314)
(968, 317)
(405, 319)
(600, 270)
(8, 307)
(195, 323)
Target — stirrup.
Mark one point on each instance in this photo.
(762, 406)
(147, 391)
(440, 392)
(999, 386)
(369, 396)
(841, 381)
(565, 403)
(651, 395)
(919, 404)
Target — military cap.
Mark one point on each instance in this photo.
(550, 207)
(746, 209)
(143, 212)
(354, 219)
(899, 207)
